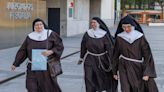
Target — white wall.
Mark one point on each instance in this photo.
(107, 11)
(79, 23)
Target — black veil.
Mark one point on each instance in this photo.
(128, 20)
(37, 20)
(104, 27)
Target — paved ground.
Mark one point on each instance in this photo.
(72, 78)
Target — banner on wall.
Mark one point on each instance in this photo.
(20, 10)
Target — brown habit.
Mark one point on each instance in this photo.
(39, 81)
(131, 72)
(96, 79)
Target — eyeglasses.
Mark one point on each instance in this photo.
(126, 26)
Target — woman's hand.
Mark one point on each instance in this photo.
(47, 53)
(145, 78)
(115, 77)
(79, 62)
(13, 67)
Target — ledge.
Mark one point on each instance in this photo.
(155, 24)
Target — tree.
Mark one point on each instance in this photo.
(123, 3)
(161, 3)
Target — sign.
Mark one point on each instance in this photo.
(70, 9)
(20, 10)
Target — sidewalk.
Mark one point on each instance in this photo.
(71, 44)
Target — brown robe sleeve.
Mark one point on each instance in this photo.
(115, 57)
(83, 46)
(21, 54)
(148, 64)
(58, 46)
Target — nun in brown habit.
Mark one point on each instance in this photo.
(96, 54)
(39, 81)
(132, 58)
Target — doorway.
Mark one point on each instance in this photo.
(54, 19)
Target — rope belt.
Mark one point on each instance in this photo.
(97, 55)
(93, 54)
(130, 59)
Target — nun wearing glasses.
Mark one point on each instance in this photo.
(132, 61)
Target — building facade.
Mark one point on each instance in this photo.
(66, 17)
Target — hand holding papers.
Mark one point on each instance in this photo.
(39, 61)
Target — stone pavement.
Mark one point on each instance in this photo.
(71, 44)
(72, 78)
(155, 36)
